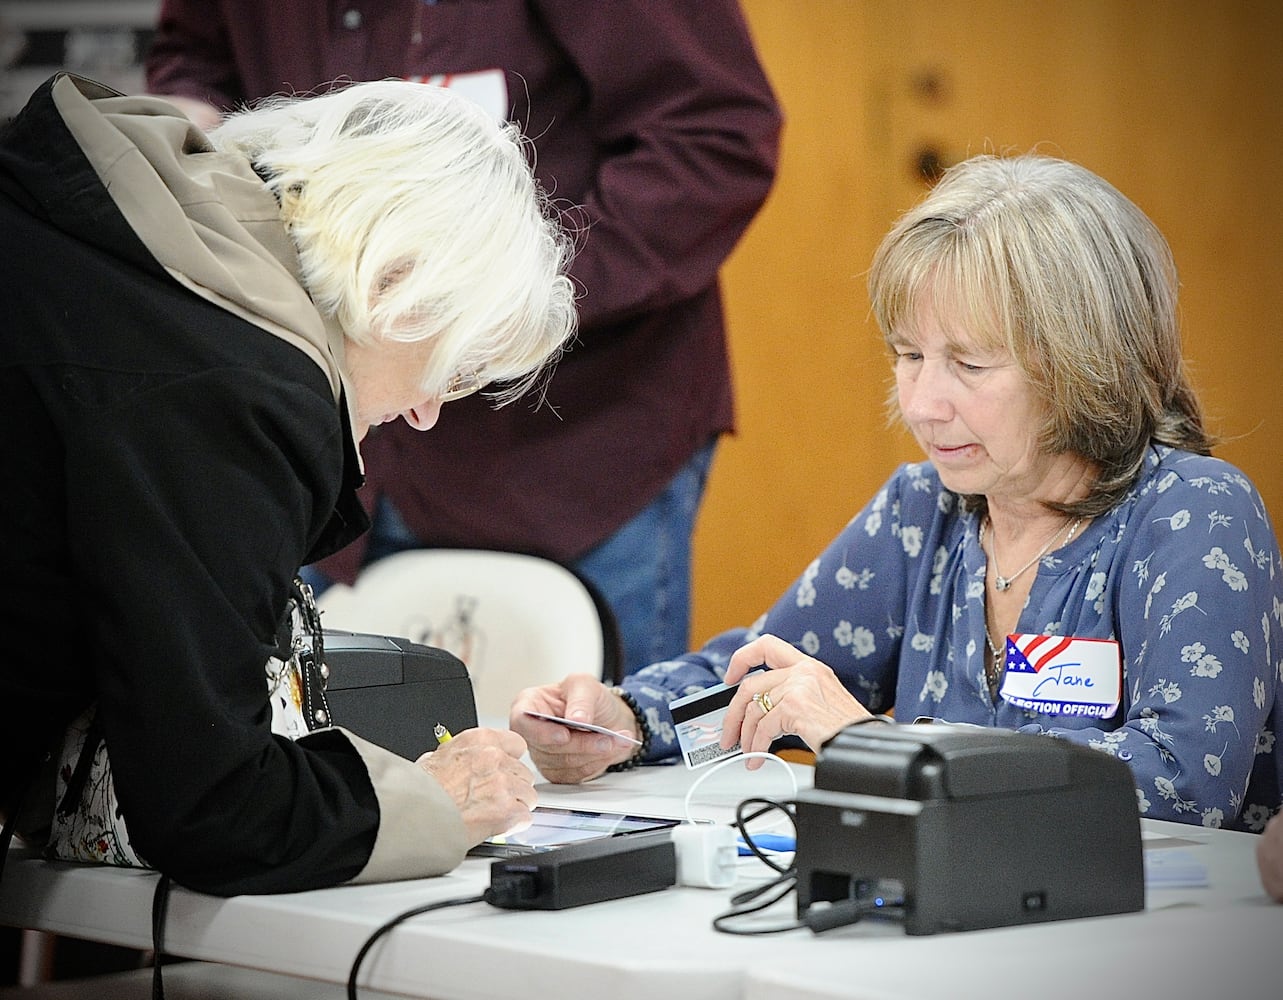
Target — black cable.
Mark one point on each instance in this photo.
(742, 821)
(159, 910)
(399, 919)
(749, 901)
(842, 912)
(786, 884)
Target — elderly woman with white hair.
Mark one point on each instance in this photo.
(1070, 560)
(200, 329)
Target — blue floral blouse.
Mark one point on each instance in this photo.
(1185, 574)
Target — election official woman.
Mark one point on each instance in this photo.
(198, 331)
(1068, 502)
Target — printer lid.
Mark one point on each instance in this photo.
(946, 761)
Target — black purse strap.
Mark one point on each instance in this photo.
(311, 660)
(84, 763)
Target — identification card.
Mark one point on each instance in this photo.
(1061, 675)
(698, 719)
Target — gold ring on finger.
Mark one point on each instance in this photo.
(763, 701)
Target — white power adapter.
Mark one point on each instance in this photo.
(707, 855)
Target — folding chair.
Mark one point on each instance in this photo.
(515, 620)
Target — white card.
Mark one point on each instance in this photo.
(584, 727)
(1061, 675)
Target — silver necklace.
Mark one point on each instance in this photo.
(1003, 583)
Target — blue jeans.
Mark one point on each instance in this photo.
(643, 570)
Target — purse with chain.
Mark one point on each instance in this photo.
(87, 821)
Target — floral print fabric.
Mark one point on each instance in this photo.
(1185, 575)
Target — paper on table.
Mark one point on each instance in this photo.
(584, 727)
(1173, 868)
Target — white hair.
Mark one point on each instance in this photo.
(415, 215)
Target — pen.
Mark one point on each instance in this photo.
(442, 734)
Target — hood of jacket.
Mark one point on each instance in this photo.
(203, 216)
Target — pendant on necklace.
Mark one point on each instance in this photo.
(1000, 582)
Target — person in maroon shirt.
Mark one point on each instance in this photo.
(654, 123)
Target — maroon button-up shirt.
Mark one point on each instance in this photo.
(656, 119)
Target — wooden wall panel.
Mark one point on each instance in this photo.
(1177, 103)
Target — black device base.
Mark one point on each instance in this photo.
(955, 828)
(392, 691)
(579, 874)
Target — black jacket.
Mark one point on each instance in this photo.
(169, 466)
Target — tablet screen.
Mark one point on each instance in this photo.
(555, 827)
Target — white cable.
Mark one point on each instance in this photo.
(690, 792)
(707, 855)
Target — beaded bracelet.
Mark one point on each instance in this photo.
(643, 727)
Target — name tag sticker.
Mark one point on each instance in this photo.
(485, 87)
(1061, 675)
(698, 720)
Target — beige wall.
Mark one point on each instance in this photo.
(1176, 102)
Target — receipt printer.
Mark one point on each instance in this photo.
(394, 692)
(952, 828)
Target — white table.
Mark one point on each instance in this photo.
(1189, 942)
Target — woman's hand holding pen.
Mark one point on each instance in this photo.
(482, 771)
(797, 696)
